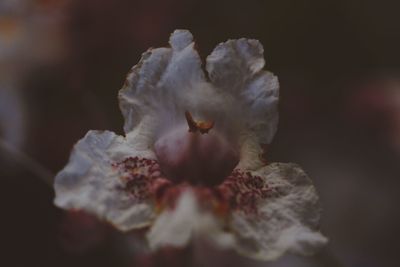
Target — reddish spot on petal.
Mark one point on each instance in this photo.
(143, 180)
(209, 198)
(138, 176)
(243, 191)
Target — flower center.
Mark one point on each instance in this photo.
(196, 155)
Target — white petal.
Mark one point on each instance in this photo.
(89, 182)
(287, 220)
(154, 86)
(250, 152)
(185, 222)
(232, 63)
(236, 67)
(241, 98)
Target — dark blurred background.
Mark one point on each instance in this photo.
(63, 62)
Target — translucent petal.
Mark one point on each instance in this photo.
(286, 218)
(234, 62)
(155, 84)
(241, 98)
(236, 67)
(92, 182)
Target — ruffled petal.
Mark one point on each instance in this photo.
(234, 62)
(97, 180)
(236, 67)
(275, 210)
(187, 221)
(241, 98)
(153, 88)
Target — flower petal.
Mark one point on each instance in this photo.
(91, 181)
(236, 67)
(155, 84)
(286, 216)
(177, 227)
(234, 62)
(241, 98)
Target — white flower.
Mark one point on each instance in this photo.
(190, 164)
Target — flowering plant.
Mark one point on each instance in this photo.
(191, 162)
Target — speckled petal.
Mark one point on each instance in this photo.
(236, 66)
(91, 181)
(154, 85)
(286, 216)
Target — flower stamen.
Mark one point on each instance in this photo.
(201, 126)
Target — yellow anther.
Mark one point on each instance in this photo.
(201, 126)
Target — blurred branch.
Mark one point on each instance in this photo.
(27, 162)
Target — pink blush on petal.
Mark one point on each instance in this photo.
(199, 159)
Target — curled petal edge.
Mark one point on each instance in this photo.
(89, 182)
(286, 220)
